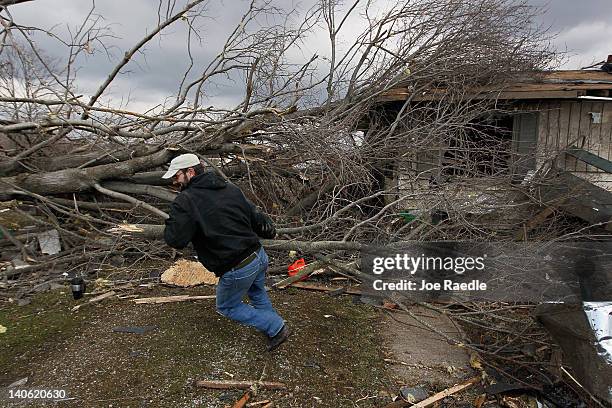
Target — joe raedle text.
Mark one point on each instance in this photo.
(427, 286)
(407, 273)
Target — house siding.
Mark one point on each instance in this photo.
(569, 123)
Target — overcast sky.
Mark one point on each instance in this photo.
(583, 29)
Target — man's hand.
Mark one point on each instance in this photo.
(268, 230)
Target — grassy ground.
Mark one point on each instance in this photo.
(333, 358)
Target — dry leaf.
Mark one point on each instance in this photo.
(480, 400)
(389, 305)
(475, 362)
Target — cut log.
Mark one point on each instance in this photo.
(156, 231)
(151, 178)
(146, 231)
(93, 158)
(239, 385)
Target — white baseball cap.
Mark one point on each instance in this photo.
(181, 162)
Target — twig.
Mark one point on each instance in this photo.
(130, 199)
(321, 288)
(257, 403)
(241, 403)
(571, 377)
(95, 300)
(240, 385)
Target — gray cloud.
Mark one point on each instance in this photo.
(564, 14)
(153, 76)
(582, 28)
(159, 67)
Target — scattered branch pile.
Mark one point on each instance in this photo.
(309, 139)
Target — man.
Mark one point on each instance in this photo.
(224, 228)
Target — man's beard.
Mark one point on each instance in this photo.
(179, 186)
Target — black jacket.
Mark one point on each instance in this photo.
(221, 223)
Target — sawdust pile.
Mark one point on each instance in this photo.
(186, 273)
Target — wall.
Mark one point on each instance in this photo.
(569, 123)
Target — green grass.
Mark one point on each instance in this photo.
(337, 358)
(33, 328)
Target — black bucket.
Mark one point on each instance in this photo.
(78, 287)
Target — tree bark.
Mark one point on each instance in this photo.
(130, 188)
(74, 180)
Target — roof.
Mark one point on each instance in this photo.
(538, 85)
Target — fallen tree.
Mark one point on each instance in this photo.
(313, 143)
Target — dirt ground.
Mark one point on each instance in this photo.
(334, 358)
(424, 359)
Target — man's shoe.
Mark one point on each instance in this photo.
(274, 342)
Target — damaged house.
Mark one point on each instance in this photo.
(556, 125)
(549, 136)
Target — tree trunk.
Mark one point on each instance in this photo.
(74, 180)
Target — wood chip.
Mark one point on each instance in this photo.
(186, 273)
(125, 228)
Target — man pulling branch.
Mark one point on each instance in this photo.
(224, 228)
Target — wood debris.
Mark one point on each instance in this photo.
(125, 228)
(322, 288)
(438, 396)
(241, 403)
(240, 385)
(95, 299)
(258, 403)
(172, 299)
(186, 273)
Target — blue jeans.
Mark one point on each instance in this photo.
(249, 280)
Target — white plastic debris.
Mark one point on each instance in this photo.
(595, 117)
(49, 242)
(599, 315)
(18, 383)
